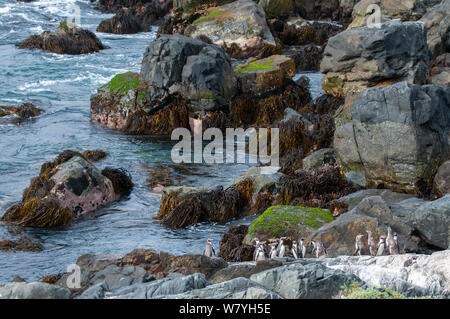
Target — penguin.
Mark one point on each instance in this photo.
(389, 239)
(358, 245)
(393, 246)
(294, 249)
(302, 248)
(209, 249)
(257, 243)
(281, 247)
(260, 255)
(318, 249)
(381, 245)
(273, 251)
(371, 244)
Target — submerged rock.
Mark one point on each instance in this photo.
(360, 58)
(239, 27)
(65, 189)
(23, 112)
(67, 39)
(22, 244)
(388, 139)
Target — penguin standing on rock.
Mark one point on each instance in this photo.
(294, 249)
(381, 245)
(358, 245)
(389, 239)
(318, 249)
(281, 247)
(371, 244)
(209, 249)
(302, 248)
(393, 247)
(257, 243)
(260, 255)
(273, 251)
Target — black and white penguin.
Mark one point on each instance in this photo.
(294, 249)
(209, 249)
(273, 251)
(381, 245)
(371, 244)
(393, 247)
(389, 239)
(257, 243)
(318, 249)
(359, 245)
(260, 254)
(281, 247)
(302, 248)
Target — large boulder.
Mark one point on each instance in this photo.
(239, 27)
(310, 281)
(394, 137)
(67, 39)
(432, 221)
(405, 10)
(201, 72)
(437, 21)
(33, 290)
(65, 189)
(125, 104)
(294, 221)
(360, 58)
(409, 274)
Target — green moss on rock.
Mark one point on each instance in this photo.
(279, 220)
(122, 83)
(254, 66)
(209, 16)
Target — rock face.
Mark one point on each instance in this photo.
(359, 58)
(405, 10)
(441, 183)
(307, 57)
(239, 27)
(199, 71)
(310, 281)
(294, 221)
(67, 39)
(336, 10)
(125, 104)
(67, 188)
(317, 159)
(440, 71)
(298, 31)
(432, 220)
(411, 275)
(231, 246)
(33, 290)
(438, 28)
(397, 136)
(276, 8)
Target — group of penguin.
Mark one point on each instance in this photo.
(278, 249)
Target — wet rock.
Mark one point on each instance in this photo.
(231, 246)
(124, 22)
(298, 31)
(33, 290)
(336, 10)
(409, 274)
(432, 221)
(441, 182)
(390, 197)
(239, 27)
(238, 288)
(201, 72)
(125, 104)
(23, 112)
(310, 281)
(386, 142)
(288, 221)
(306, 57)
(172, 196)
(244, 270)
(437, 23)
(67, 39)
(352, 60)
(67, 188)
(94, 155)
(405, 10)
(194, 5)
(22, 244)
(317, 159)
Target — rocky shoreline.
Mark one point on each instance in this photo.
(371, 155)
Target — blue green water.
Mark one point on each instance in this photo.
(62, 85)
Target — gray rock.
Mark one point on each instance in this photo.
(441, 182)
(318, 158)
(310, 281)
(388, 196)
(171, 285)
(238, 288)
(395, 136)
(359, 58)
(409, 274)
(437, 21)
(33, 290)
(199, 71)
(432, 220)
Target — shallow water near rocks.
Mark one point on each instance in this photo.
(61, 85)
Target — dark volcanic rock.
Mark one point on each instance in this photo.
(67, 39)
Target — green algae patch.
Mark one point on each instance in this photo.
(209, 16)
(254, 66)
(122, 83)
(355, 291)
(282, 220)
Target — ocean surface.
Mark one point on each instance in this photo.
(62, 85)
